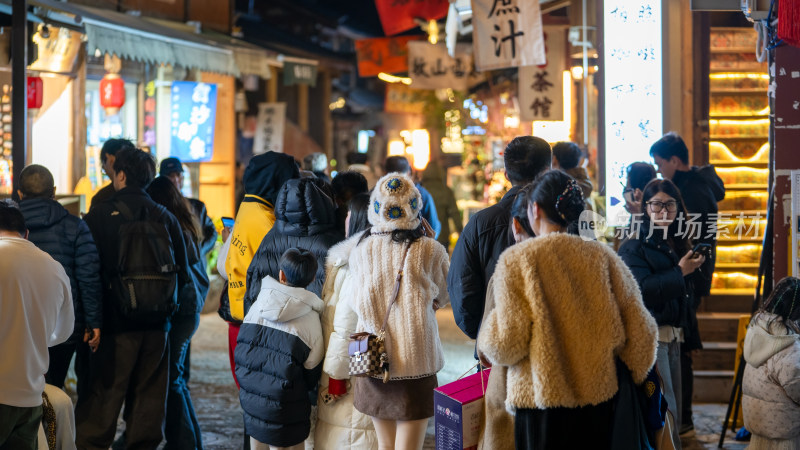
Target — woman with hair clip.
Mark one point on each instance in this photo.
(181, 430)
(339, 425)
(498, 424)
(771, 385)
(565, 310)
(399, 247)
(662, 260)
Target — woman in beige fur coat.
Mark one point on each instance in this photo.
(565, 309)
(399, 408)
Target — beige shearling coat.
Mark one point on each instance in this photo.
(565, 308)
(412, 334)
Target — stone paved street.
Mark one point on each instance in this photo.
(217, 404)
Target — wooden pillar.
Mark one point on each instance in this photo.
(79, 119)
(19, 105)
(272, 85)
(785, 154)
(302, 107)
(327, 120)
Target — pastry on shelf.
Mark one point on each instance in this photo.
(745, 152)
(733, 280)
(743, 175)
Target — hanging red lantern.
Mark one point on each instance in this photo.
(35, 92)
(112, 93)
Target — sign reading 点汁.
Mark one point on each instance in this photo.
(194, 111)
(633, 92)
(541, 88)
(270, 122)
(431, 67)
(507, 33)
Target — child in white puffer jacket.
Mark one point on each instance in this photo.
(771, 386)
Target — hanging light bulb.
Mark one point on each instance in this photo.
(433, 31)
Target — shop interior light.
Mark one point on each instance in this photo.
(577, 72)
(739, 122)
(729, 75)
(558, 130)
(420, 148)
(397, 147)
(389, 78)
(338, 104)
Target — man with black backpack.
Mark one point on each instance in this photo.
(144, 263)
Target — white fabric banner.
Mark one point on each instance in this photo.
(507, 33)
(541, 88)
(270, 123)
(431, 67)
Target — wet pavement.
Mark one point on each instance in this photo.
(216, 398)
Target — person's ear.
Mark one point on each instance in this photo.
(505, 172)
(517, 226)
(282, 277)
(53, 194)
(27, 233)
(637, 195)
(19, 193)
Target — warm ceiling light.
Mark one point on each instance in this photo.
(389, 78)
(433, 32)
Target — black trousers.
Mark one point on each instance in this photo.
(19, 427)
(60, 357)
(132, 368)
(588, 427)
(687, 387)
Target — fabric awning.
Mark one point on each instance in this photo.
(139, 39)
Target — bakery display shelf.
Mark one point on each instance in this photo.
(738, 116)
(732, 50)
(722, 265)
(738, 163)
(734, 239)
(735, 91)
(754, 137)
(733, 291)
(745, 187)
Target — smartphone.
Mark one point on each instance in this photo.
(701, 249)
(227, 222)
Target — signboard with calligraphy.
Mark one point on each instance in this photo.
(398, 15)
(507, 33)
(633, 91)
(194, 111)
(270, 123)
(149, 116)
(378, 55)
(541, 88)
(431, 67)
(297, 73)
(404, 100)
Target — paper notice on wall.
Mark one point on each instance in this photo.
(541, 88)
(270, 123)
(507, 33)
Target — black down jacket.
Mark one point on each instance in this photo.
(655, 266)
(67, 239)
(305, 217)
(479, 247)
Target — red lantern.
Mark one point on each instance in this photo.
(112, 93)
(35, 92)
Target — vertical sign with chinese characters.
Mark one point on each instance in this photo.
(632, 58)
(508, 33)
(431, 67)
(149, 126)
(541, 88)
(269, 128)
(194, 110)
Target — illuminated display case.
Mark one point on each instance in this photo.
(739, 149)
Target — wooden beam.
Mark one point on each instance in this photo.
(302, 107)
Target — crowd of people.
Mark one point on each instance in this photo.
(564, 322)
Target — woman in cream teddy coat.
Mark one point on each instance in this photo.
(401, 407)
(565, 309)
(339, 425)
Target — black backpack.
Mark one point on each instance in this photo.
(147, 277)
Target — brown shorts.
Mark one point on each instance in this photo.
(395, 400)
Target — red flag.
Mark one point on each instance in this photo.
(398, 15)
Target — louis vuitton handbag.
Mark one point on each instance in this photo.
(368, 357)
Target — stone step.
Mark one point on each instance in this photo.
(712, 386)
(726, 303)
(718, 326)
(716, 356)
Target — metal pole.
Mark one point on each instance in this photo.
(19, 105)
(585, 79)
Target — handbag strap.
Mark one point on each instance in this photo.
(396, 291)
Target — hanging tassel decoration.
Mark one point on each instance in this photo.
(789, 21)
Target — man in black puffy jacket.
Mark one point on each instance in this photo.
(487, 234)
(305, 217)
(68, 240)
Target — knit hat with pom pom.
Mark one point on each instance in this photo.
(395, 204)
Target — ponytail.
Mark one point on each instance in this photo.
(560, 197)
